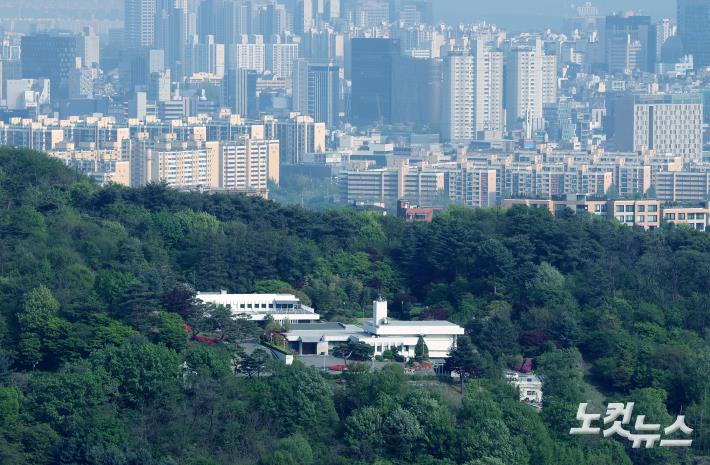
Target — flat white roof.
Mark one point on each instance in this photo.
(245, 297)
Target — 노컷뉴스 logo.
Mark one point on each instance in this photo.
(619, 415)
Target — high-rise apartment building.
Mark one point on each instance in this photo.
(248, 56)
(458, 114)
(280, 59)
(248, 164)
(489, 115)
(297, 136)
(527, 70)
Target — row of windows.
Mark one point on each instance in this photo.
(683, 216)
(257, 306)
(639, 208)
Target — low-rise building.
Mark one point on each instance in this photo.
(382, 333)
(260, 307)
(529, 386)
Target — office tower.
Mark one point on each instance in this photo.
(206, 57)
(322, 45)
(665, 29)
(524, 87)
(280, 59)
(81, 82)
(458, 125)
(668, 124)
(139, 23)
(299, 87)
(332, 9)
(412, 12)
(693, 30)
(630, 43)
(489, 115)
(240, 92)
(159, 86)
(316, 92)
(271, 21)
(9, 69)
(372, 80)
(303, 18)
(239, 16)
(416, 96)
(171, 34)
(87, 48)
(226, 20)
(51, 57)
(549, 79)
(372, 13)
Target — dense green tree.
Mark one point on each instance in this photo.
(421, 351)
(465, 361)
(351, 350)
(254, 364)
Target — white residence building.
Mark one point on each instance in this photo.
(259, 307)
(382, 333)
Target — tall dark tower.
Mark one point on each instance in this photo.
(373, 63)
(693, 30)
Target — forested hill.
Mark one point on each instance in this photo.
(96, 366)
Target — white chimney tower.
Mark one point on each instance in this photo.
(379, 312)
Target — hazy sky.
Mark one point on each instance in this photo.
(538, 13)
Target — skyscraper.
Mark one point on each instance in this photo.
(416, 97)
(372, 80)
(139, 22)
(694, 30)
(240, 92)
(630, 43)
(87, 48)
(316, 92)
(171, 33)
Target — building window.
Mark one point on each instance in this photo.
(641, 208)
(681, 216)
(640, 219)
(629, 208)
(653, 208)
(241, 305)
(652, 218)
(619, 208)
